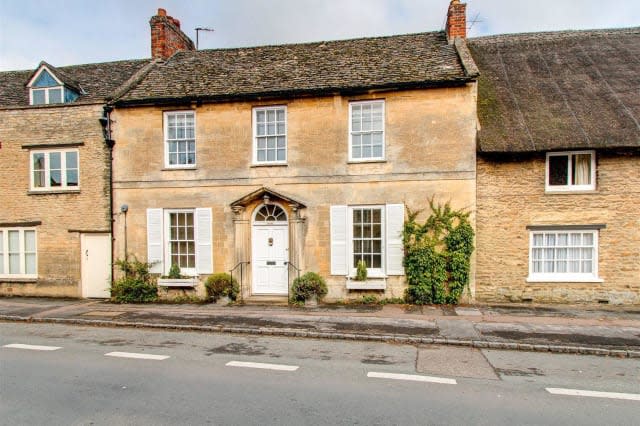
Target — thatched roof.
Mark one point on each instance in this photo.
(343, 66)
(561, 90)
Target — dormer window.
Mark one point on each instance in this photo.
(45, 88)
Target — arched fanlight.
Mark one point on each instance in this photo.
(271, 213)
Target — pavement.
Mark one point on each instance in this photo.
(593, 330)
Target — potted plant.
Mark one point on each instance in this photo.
(309, 288)
(221, 288)
(361, 270)
(361, 280)
(175, 278)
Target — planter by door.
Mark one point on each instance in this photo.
(270, 250)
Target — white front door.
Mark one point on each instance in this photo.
(96, 265)
(270, 254)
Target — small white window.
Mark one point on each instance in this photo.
(270, 135)
(55, 170)
(181, 240)
(18, 254)
(571, 171)
(563, 255)
(366, 131)
(180, 139)
(367, 237)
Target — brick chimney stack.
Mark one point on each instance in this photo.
(166, 36)
(456, 20)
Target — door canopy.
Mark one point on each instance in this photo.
(268, 196)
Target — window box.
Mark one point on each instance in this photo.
(178, 282)
(573, 171)
(368, 284)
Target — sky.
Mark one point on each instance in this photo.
(67, 32)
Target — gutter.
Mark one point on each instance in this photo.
(328, 91)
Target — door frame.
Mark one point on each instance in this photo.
(275, 224)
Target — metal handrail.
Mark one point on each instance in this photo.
(288, 278)
(241, 276)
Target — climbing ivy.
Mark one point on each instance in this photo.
(437, 255)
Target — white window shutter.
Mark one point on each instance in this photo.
(395, 250)
(338, 217)
(204, 259)
(154, 240)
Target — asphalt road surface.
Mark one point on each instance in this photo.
(65, 375)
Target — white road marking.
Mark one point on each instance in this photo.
(32, 347)
(594, 394)
(137, 356)
(411, 377)
(280, 367)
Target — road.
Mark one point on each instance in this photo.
(200, 378)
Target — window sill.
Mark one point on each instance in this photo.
(170, 169)
(380, 160)
(18, 279)
(559, 279)
(269, 165)
(178, 282)
(371, 283)
(53, 191)
(558, 191)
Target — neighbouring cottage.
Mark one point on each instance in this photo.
(303, 157)
(558, 203)
(54, 179)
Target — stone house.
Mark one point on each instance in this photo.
(558, 172)
(54, 179)
(302, 157)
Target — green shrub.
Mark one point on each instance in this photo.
(368, 299)
(137, 286)
(361, 270)
(308, 285)
(437, 255)
(220, 285)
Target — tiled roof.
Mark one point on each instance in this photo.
(559, 90)
(97, 81)
(414, 60)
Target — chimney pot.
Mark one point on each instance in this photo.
(162, 12)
